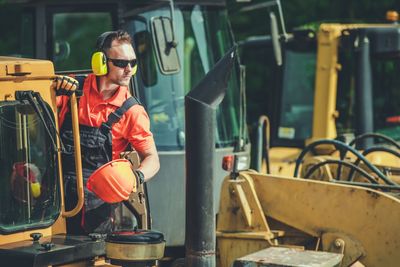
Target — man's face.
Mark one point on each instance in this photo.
(118, 75)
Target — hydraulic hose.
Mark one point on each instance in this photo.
(340, 162)
(369, 151)
(339, 145)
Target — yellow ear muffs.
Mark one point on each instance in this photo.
(99, 64)
(134, 70)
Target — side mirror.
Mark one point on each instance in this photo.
(165, 45)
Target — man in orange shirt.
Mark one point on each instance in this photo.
(110, 120)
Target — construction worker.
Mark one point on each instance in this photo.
(110, 120)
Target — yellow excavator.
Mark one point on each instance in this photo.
(337, 82)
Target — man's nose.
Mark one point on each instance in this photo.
(128, 68)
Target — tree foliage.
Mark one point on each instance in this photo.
(299, 12)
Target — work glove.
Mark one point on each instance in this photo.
(64, 85)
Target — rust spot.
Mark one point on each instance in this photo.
(235, 210)
(373, 194)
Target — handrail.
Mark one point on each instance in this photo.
(78, 160)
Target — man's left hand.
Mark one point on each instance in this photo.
(65, 85)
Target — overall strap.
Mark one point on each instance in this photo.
(81, 79)
(115, 116)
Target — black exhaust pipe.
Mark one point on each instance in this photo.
(200, 106)
(364, 106)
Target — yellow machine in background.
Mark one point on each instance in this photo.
(341, 81)
(336, 91)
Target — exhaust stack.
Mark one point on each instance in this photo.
(200, 106)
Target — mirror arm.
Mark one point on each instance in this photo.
(173, 43)
(278, 3)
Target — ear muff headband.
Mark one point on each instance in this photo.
(102, 39)
(99, 58)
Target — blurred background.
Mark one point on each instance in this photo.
(250, 20)
(299, 13)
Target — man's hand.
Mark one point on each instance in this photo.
(65, 85)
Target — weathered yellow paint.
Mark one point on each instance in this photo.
(283, 159)
(233, 248)
(361, 223)
(366, 216)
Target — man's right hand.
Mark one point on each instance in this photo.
(64, 85)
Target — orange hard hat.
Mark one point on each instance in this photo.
(113, 182)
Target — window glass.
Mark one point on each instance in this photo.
(74, 38)
(17, 31)
(345, 104)
(297, 96)
(147, 63)
(386, 96)
(203, 38)
(29, 195)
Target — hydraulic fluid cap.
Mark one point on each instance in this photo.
(136, 237)
(143, 246)
(113, 182)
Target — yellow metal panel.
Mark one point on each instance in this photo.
(7, 239)
(234, 215)
(368, 216)
(231, 248)
(283, 159)
(326, 82)
(19, 74)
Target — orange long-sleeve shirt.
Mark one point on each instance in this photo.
(133, 128)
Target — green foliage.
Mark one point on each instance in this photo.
(303, 12)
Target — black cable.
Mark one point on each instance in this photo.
(339, 145)
(31, 100)
(369, 151)
(340, 162)
(375, 135)
(342, 154)
(49, 116)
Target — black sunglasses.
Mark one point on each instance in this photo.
(122, 63)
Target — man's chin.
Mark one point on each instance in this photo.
(124, 82)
